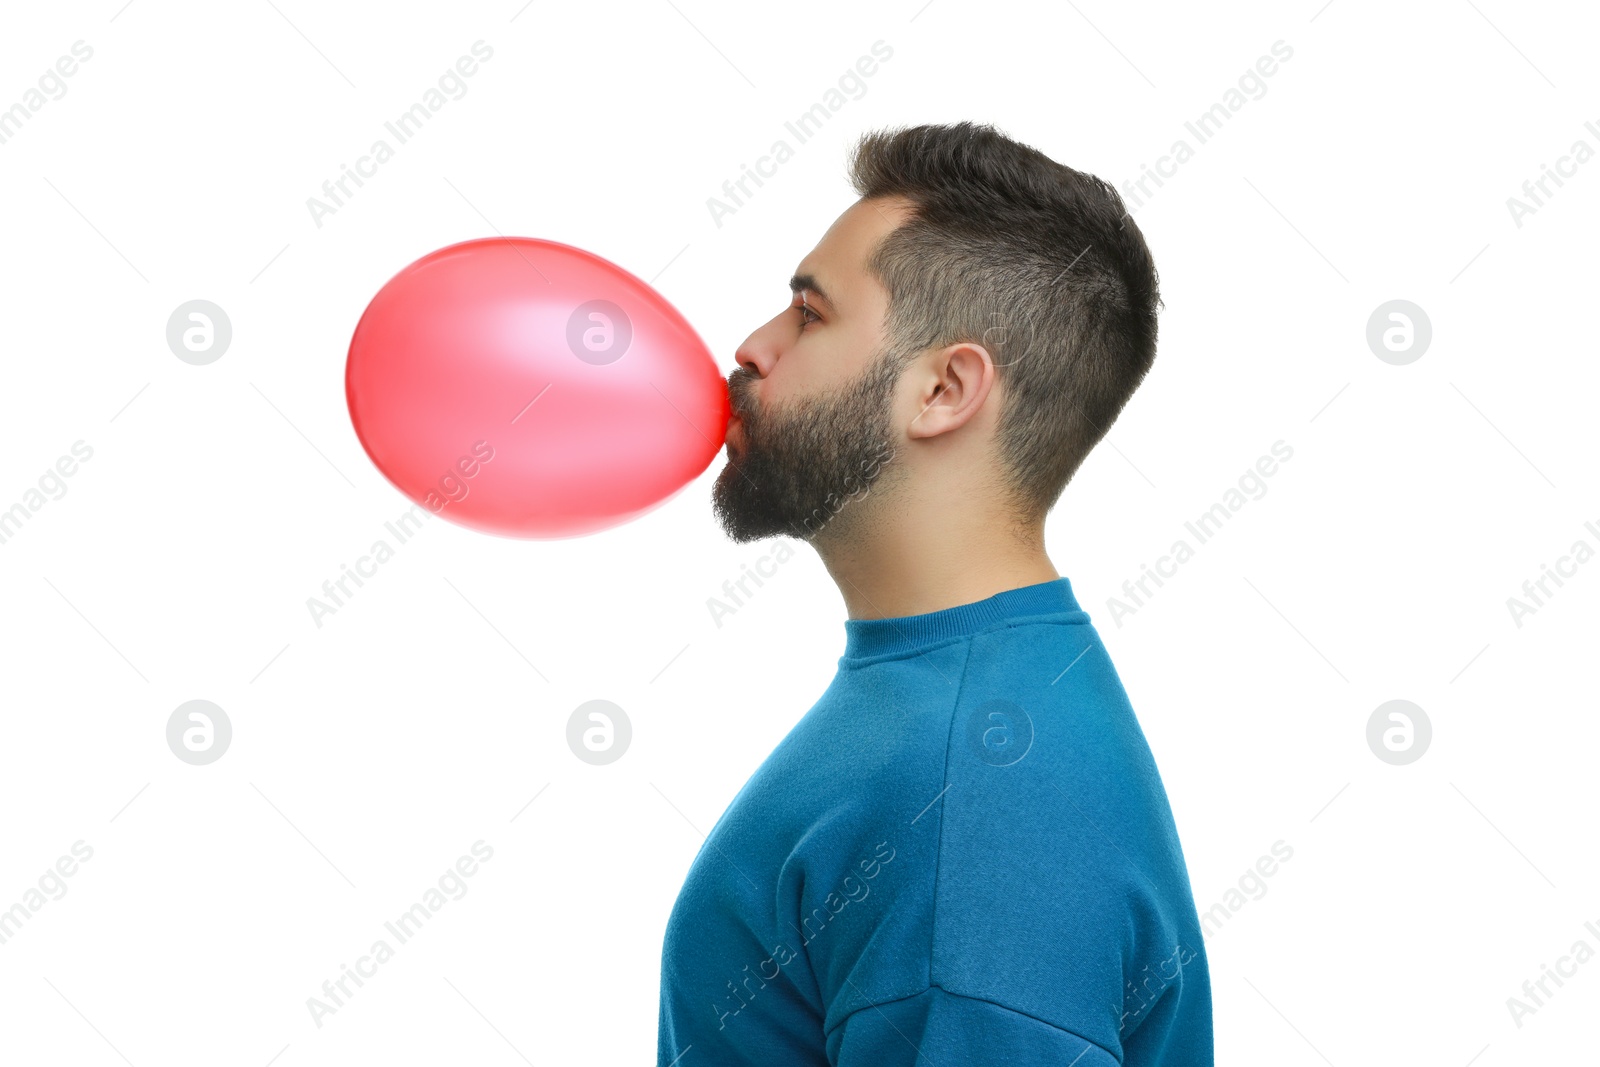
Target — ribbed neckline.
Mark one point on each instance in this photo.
(881, 637)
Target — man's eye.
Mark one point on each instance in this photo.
(804, 311)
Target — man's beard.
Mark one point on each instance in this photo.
(790, 472)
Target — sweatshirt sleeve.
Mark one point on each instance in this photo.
(936, 1027)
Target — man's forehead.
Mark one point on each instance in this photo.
(838, 263)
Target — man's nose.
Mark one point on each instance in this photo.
(754, 357)
(759, 353)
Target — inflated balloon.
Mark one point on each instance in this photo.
(528, 388)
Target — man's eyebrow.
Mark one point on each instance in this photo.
(808, 282)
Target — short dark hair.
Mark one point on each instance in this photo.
(1039, 263)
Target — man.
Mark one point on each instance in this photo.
(963, 853)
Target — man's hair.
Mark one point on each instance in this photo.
(1037, 262)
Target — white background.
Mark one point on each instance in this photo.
(370, 753)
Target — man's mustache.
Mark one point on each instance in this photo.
(739, 399)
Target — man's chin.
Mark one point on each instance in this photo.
(741, 529)
(744, 519)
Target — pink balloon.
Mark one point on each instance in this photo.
(528, 388)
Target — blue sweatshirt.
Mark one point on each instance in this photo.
(961, 855)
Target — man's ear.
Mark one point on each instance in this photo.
(952, 386)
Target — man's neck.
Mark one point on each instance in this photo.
(911, 568)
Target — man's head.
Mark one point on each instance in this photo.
(977, 319)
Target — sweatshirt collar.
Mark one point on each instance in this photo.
(906, 633)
